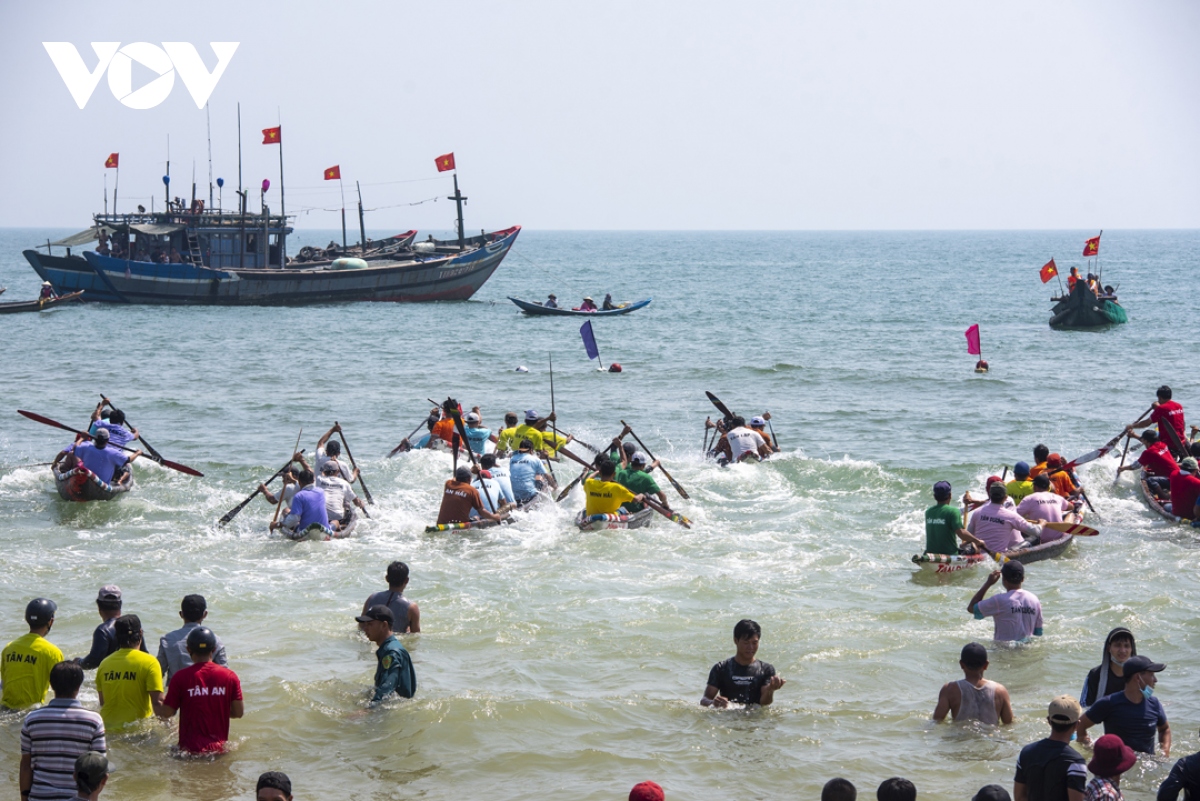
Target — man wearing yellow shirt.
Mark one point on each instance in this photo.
(604, 494)
(25, 662)
(129, 681)
(529, 430)
(504, 440)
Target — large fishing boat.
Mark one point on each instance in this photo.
(193, 256)
(1083, 308)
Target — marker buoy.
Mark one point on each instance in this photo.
(614, 368)
(981, 366)
(522, 368)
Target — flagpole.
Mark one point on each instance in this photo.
(282, 207)
(116, 182)
(208, 125)
(106, 193)
(239, 105)
(343, 188)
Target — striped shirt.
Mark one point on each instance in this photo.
(54, 736)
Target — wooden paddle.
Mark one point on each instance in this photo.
(1124, 453)
(722, 408)
(682, 492)
(455, 441)
(350, 456)
(279, 503)
(396, 449)
(149, 447)
(37, 418)
(767, 416)
(1078, 529)
(587, 468)
(232, 513)
(674, 517)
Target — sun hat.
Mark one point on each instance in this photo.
(1111, 757)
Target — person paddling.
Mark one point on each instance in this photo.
(306, 509)
(944, 524)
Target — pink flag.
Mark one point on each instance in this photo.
(973, 340)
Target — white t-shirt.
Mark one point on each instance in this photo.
(742, 440)
(322, 458)
(338, 495)
(500, 473)
(495, 492)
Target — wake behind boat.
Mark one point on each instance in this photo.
(536, 308)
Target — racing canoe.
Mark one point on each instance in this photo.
(537, 309)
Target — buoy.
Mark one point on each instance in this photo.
(614, 368)
(981, 366)
(522, 368)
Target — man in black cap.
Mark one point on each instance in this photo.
(973, 697)
(1050, 769)
(394, 672)
(1133, 714)
(104, 639)
(91, 775)
(25, 663)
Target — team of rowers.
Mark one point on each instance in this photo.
(1015, 513)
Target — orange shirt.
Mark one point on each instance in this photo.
(1061, 484)
(444, 429)
(1037, 470)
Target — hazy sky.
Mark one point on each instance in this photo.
(634, 115)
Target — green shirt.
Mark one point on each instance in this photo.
(638, 482)
(942, 523)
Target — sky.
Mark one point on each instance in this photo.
(647, 115)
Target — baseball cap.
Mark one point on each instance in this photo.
(1065, 709)
(40, 611)
(1136, 664)
(974, 655)
(126, 626)
(472, 417)
(377, 612)
(992, 480)
(101, 433)
(1189, 464)
(942, 489)
(109, 592)
(646, 791)
(1013, 571)
(202, 640)
(554, 296)
(1055, 461)
(757, 422)
(530, 415)
(1021, 469)
(640, 458)
(92, 767)
(330, 467)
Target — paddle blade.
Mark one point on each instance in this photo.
(37, 418)
(1078, 529)
(182, 468)
(722, 408)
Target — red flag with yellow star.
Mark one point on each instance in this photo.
(445, 162)
(1048, 271)
(1092, 246)
(112, 160)
(334, 173)
(271, 135)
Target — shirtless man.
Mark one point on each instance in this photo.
(973, 697)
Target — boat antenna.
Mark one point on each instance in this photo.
(342, 187)
(208, 125)
(193, 183)
(282, 207)
(362, 228)
(105, 192)
(167, 177)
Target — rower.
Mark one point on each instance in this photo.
(113, 419)
(529, 429)
(339, 496)
(104, 462)
(1060, 479)
(460, 500)
(506, 441)
(552, 441)
(740, 441)
(306, 509)
(758, 425)
(47, 292)
(1165, 412)
(943, 523)
(637, 479)
(997, 525)
(1046, 505)
(604, 495)
(527, 474)
(1020, 486)
(1040, 454)
(330, 450)
(443, 429)
(1072, 279)
(1157, 461)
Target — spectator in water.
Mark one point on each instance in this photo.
(839, 790)
(896, 789)
(973, 697)
(273, 786)
(1109, 676)
(742, 678)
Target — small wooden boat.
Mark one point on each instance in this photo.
(1154, 503)
(460, 526)
(953, 563)
(601, 522)
(81, 484)
(37, 305)
(537, 309)
(1083, 308)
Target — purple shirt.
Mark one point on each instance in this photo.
(1017, 613)
(997, 526)
(101, 461)
(1048, 506)
(308, 505)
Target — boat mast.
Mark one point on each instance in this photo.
(167, 177)
(458, 197)
(362, 228)
(208, 125)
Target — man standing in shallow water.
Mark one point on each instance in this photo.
(974, 697)
(1017, 612)
(742, 679)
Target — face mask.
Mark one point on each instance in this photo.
(1147, 692)
(1118, 664)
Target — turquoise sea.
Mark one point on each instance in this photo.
(568, 665)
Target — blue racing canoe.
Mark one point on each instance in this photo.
(530, 307)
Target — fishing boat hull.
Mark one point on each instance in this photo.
(80, 484)
(315, 532)
(69, 274)
(460, 526)
(587, 522)
(1154, 503)
(955, 563)
(1082, 308)
(38, 305)
(536, 309)
(439, 277)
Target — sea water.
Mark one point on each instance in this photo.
(555, 663)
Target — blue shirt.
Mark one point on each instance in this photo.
(309, 505)
(1136, 724)
(394, 672)
(101, 461)
(117, 434)
(523, 468)
(478, 438)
